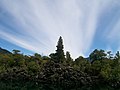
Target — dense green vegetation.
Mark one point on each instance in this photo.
(59, 69)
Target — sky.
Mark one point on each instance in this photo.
(34, 26)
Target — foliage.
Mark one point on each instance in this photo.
(60, 57)
(97, 55)
(68, 60)
(60, 69)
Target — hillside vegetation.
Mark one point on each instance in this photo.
(60, 69)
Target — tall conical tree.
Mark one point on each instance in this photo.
(60, 52)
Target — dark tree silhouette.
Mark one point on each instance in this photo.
(60, 52)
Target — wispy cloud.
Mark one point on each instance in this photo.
(16, 40)
(113, 28)
(38, 24)
(114, 34)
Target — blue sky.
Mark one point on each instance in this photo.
(35, 25)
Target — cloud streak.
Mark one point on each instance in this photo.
(36, 25)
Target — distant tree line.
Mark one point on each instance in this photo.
(60, 69)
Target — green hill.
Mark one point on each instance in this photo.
(4, 51)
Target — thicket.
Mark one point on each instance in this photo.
(60, 69)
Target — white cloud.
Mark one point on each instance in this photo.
(44, 21)
(17, 41)
(114, 35)
(115, 32)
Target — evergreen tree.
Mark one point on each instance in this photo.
(68, 58)
(60, 52)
